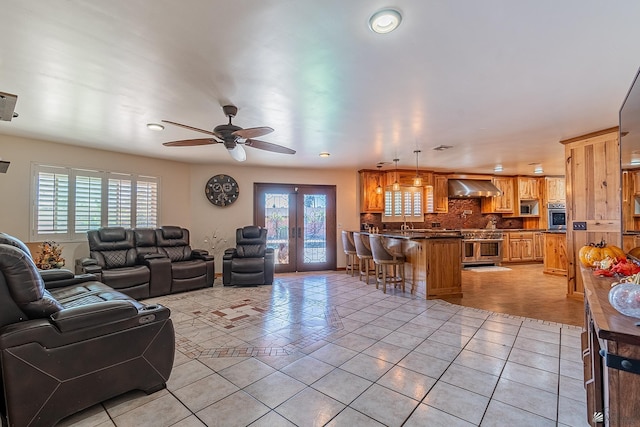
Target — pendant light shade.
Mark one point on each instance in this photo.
(396, 184)
(417, 181)
(379, 188)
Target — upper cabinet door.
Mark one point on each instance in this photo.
(504, 203)
(370, 200)
(528, 188)
(556, 190)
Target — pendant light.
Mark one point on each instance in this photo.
(417, 181)
(396, 184)
(379, 188)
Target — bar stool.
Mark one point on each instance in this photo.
(384, 261)
(350, 251)
(364, 254)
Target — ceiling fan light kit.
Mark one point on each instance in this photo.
(233, 137)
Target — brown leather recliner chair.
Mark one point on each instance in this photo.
(251, 262)
(190, 268)
(66, 348)
(115, 258)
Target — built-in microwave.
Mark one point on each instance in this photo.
(529, 207)
(557, 216)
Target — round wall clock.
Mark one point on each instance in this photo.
(222, 190)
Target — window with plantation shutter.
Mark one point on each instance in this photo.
(67, 201)
(88, 203)
(146, 202)
(119, 201)
(406, 204)
(52, 202)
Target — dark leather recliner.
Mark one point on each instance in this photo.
(116, 259)
(190, 268)
(66, 348)
(251, 262)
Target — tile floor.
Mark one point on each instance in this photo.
(327, 349)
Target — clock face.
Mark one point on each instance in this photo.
(222, 190)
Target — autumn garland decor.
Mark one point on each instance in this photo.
(50, 256)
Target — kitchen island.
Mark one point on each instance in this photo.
(433, 260)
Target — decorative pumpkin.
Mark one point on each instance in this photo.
(635, 252)
(590, 255)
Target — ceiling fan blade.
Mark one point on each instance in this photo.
(190, 142)
(253, 132)
(238, 153)
(268, 146)
(208, 132)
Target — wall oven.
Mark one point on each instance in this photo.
(557, 216)
(481, 247)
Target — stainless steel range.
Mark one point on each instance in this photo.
(481, 246)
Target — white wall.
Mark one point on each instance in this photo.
(182, 191)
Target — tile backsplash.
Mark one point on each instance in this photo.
(463, 213)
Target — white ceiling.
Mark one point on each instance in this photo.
(501, 81)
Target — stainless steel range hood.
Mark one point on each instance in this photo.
(472, 188)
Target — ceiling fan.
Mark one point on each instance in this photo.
(233, 137)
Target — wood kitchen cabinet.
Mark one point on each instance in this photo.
(370, 200)
(528, 188)
(520, 246)
(505, 203)
(555, 189)
(440, 193)
(555, 254)
(538, 246)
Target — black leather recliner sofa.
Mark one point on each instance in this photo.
(144, 262)
(251, 262)
(68, 342)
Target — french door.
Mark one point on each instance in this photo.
(301, 224)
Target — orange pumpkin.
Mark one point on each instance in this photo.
(590, 255)
(635, 252)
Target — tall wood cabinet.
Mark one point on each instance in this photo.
(593, 196)
(440, 194)
(370, 200)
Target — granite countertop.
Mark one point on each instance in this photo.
(419, 235)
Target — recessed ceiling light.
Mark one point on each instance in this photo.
(324, 154)
(384, 21)
(155, 126)
(538, 169)
(498, 168)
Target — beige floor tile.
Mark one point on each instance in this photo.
(352, 418)
(532, 377)
(457, 401)
(571, 412)
(129, 401)
(274, 389)
(187, 373)
(424, 364)
(425, 415)
(496, 337)
(488, 348)
(470, 379)
(244, 373)
(191, 421)
(402, 339)
(387, 352)
(572, 388)
(238, 409)
(205, 391)
(367, 367)
(405, 381)
(165, 411)
(530, 399)
(342, 386)
(535, 360)
(307, 369)
(220, 363)
(537, 346)
(355, 342)
(272, 419)
(500, 414)
(333, 354)
(505, 328)
(481, 362)
(438, 350)
(384, 405)
(310, 408)
(372, 331)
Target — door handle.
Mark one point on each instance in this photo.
(299, 232)
(293, 232)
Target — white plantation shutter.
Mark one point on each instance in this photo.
(119, 202)
(67, 202)
(52, 202)
(146, 202)
(406, 204)
(88, 203)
